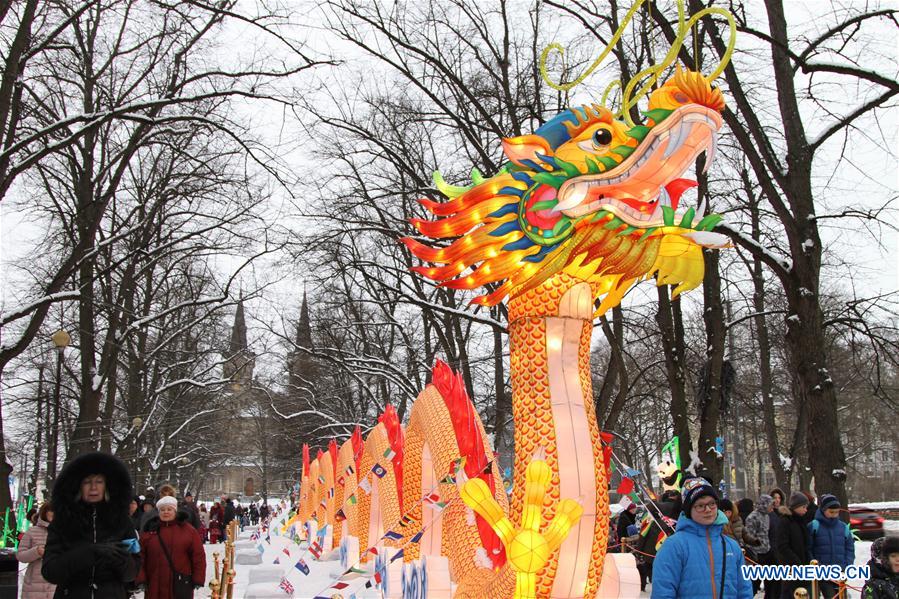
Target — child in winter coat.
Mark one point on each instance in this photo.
(31, 552)
(698, 560)
(832, 542)
(884, 564)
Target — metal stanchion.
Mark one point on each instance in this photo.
(814, 562)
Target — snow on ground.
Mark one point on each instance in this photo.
(878, 505)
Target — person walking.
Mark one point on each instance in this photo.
(832, 543)
(254, 514)
(757, 525)
(31, 551)
(204, 522)
(228, 515)
(91, 550)
(626, 518)
(174, 563)
(699, 560)
(793, 542)
(190, 508)
(884, 575)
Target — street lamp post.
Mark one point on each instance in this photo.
(61, 340)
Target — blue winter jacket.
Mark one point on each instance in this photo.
(683, 567)
(832, 542)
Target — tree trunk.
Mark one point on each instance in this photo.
(668, 317)
(711, 392)
(503, 408)
(760, 323)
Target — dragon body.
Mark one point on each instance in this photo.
(586, 207)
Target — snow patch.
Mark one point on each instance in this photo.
(694, 462)
(786, 462)
(469, 516)
(838, 472)
(808, 245)
(482, 560)
(97, 382)
(806, 292)
(793, 318)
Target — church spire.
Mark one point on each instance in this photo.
(304, 326)
(239, 361)
(238, 331)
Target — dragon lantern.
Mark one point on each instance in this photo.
(585, 207)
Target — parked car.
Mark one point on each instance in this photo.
(865, 522)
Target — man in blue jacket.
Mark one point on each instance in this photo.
(698, 560)
(832, 541)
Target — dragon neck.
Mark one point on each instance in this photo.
(550, 330)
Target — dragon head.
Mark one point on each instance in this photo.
(585, 194)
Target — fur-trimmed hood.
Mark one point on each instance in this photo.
(71, 514)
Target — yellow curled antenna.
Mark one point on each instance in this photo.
(629, 97)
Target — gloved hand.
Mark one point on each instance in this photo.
(110, 555)
(131, 545)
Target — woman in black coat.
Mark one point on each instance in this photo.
(92, 551)
(793, 541)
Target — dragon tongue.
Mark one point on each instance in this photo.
(676, 188)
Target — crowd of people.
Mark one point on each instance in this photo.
(713, 537)
(94, 539)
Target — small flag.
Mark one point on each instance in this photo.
(373, 550)
(418, 536)
(378, 577)
(350, 469)
(315, 549)
(340, 480)
(260, 548)
(389, 454)
(406, 520)
(378, 470)
(449, 479)
(330, 492)
(321, 479)
(626, 486)
(433, 500)
(457, 464)
(286, 552)
(352, 499)
(277, 561)
(286, 586)
(365, 485)
(302, 567)
(396, 556)
(392, 535)
(339, 516)
(339, 585)
(323, 503)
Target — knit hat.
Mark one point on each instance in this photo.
(693, 489)
(890, 545)
(167, 501)
(765, 501)
(726, 505)
(829, 502)
(798, 499)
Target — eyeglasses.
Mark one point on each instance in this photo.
(705, 507)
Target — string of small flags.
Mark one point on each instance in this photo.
(355, 572)
(431, 499)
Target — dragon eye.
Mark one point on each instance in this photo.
(602, 137)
